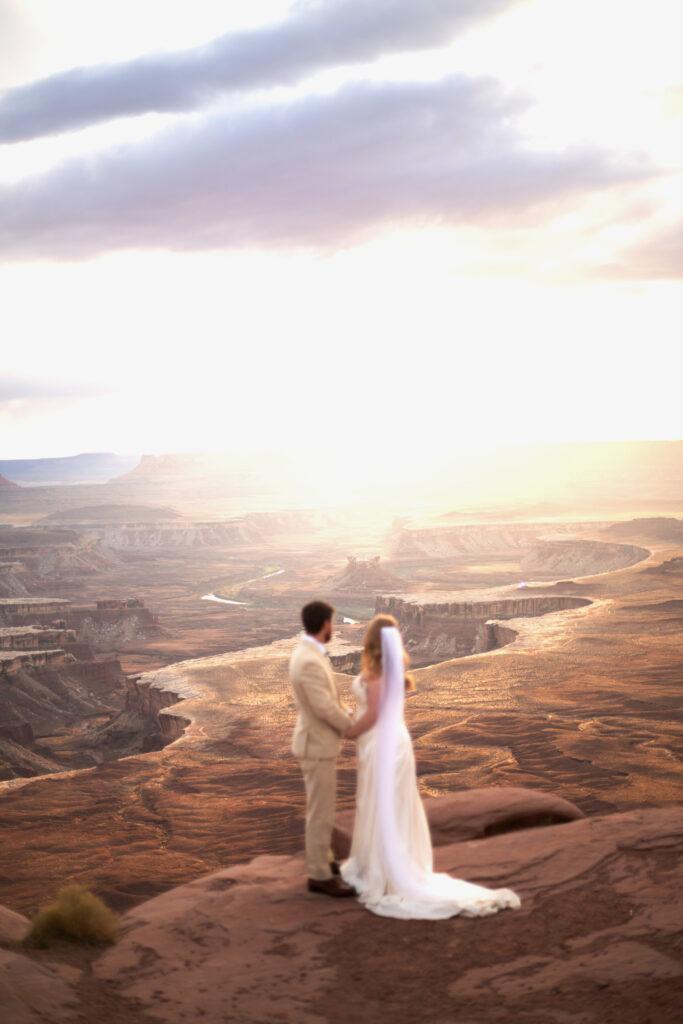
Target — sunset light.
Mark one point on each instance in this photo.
(341, 511)
(519, 296)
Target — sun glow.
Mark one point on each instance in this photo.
(438, 338)
(387, 341)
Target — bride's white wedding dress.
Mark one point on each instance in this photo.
(390, 864)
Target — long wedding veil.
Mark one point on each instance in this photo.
(389, 722)
(412, 883)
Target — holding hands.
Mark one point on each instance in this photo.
(373, 690)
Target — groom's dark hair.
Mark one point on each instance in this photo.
(315, 614)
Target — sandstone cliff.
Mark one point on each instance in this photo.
(436, 627)
(60, 705)
(537, 553)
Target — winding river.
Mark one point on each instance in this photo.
(225, 600)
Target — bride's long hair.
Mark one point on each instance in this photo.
(371, 659)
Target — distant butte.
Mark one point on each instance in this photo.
(363, 576)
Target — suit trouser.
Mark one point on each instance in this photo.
(320, 779)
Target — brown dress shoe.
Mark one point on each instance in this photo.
(331, 887)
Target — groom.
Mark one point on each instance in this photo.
(320, 726)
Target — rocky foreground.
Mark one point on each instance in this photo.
(599, 937)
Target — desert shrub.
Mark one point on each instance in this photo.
(76, 914)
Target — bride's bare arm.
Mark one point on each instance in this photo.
(368, 719)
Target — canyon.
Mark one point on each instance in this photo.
(549, 707)
(62, 704)
(547, 718)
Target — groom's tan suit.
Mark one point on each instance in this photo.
(320, 725)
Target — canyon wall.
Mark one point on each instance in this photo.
(52, 709)
(12, 662)
(410, 613)
(62, 706)
(579, 557)
(112, 623)
(149, 700)
(348, 663)
(30, 611)
(25, 638)
(525, 543)
(104, 626)
(12, 579)
(62, 555)
(439, 630)
(441, 542)
(172, 535)
(142, 725)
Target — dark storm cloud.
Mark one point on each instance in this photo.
(318, 34)
(324, 171)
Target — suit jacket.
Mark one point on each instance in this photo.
(321, 721)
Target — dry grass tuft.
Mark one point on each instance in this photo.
(77, 914)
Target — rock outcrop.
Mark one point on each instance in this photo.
(362, 577)
(477, 813)
(103, 626)
(113, 623)
(46, 552)
(53, 706)
(141, 726)
(441, 626)
(61, 706)
(597, 939)
(46, 698)
(13, 926)
(27, 611)
(25, 638)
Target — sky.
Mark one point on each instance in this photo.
(416, 227)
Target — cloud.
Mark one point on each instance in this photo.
(658, 257)
(318, 34)
(325, 171)
(30, 390)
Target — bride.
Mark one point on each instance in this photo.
(390, 864)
